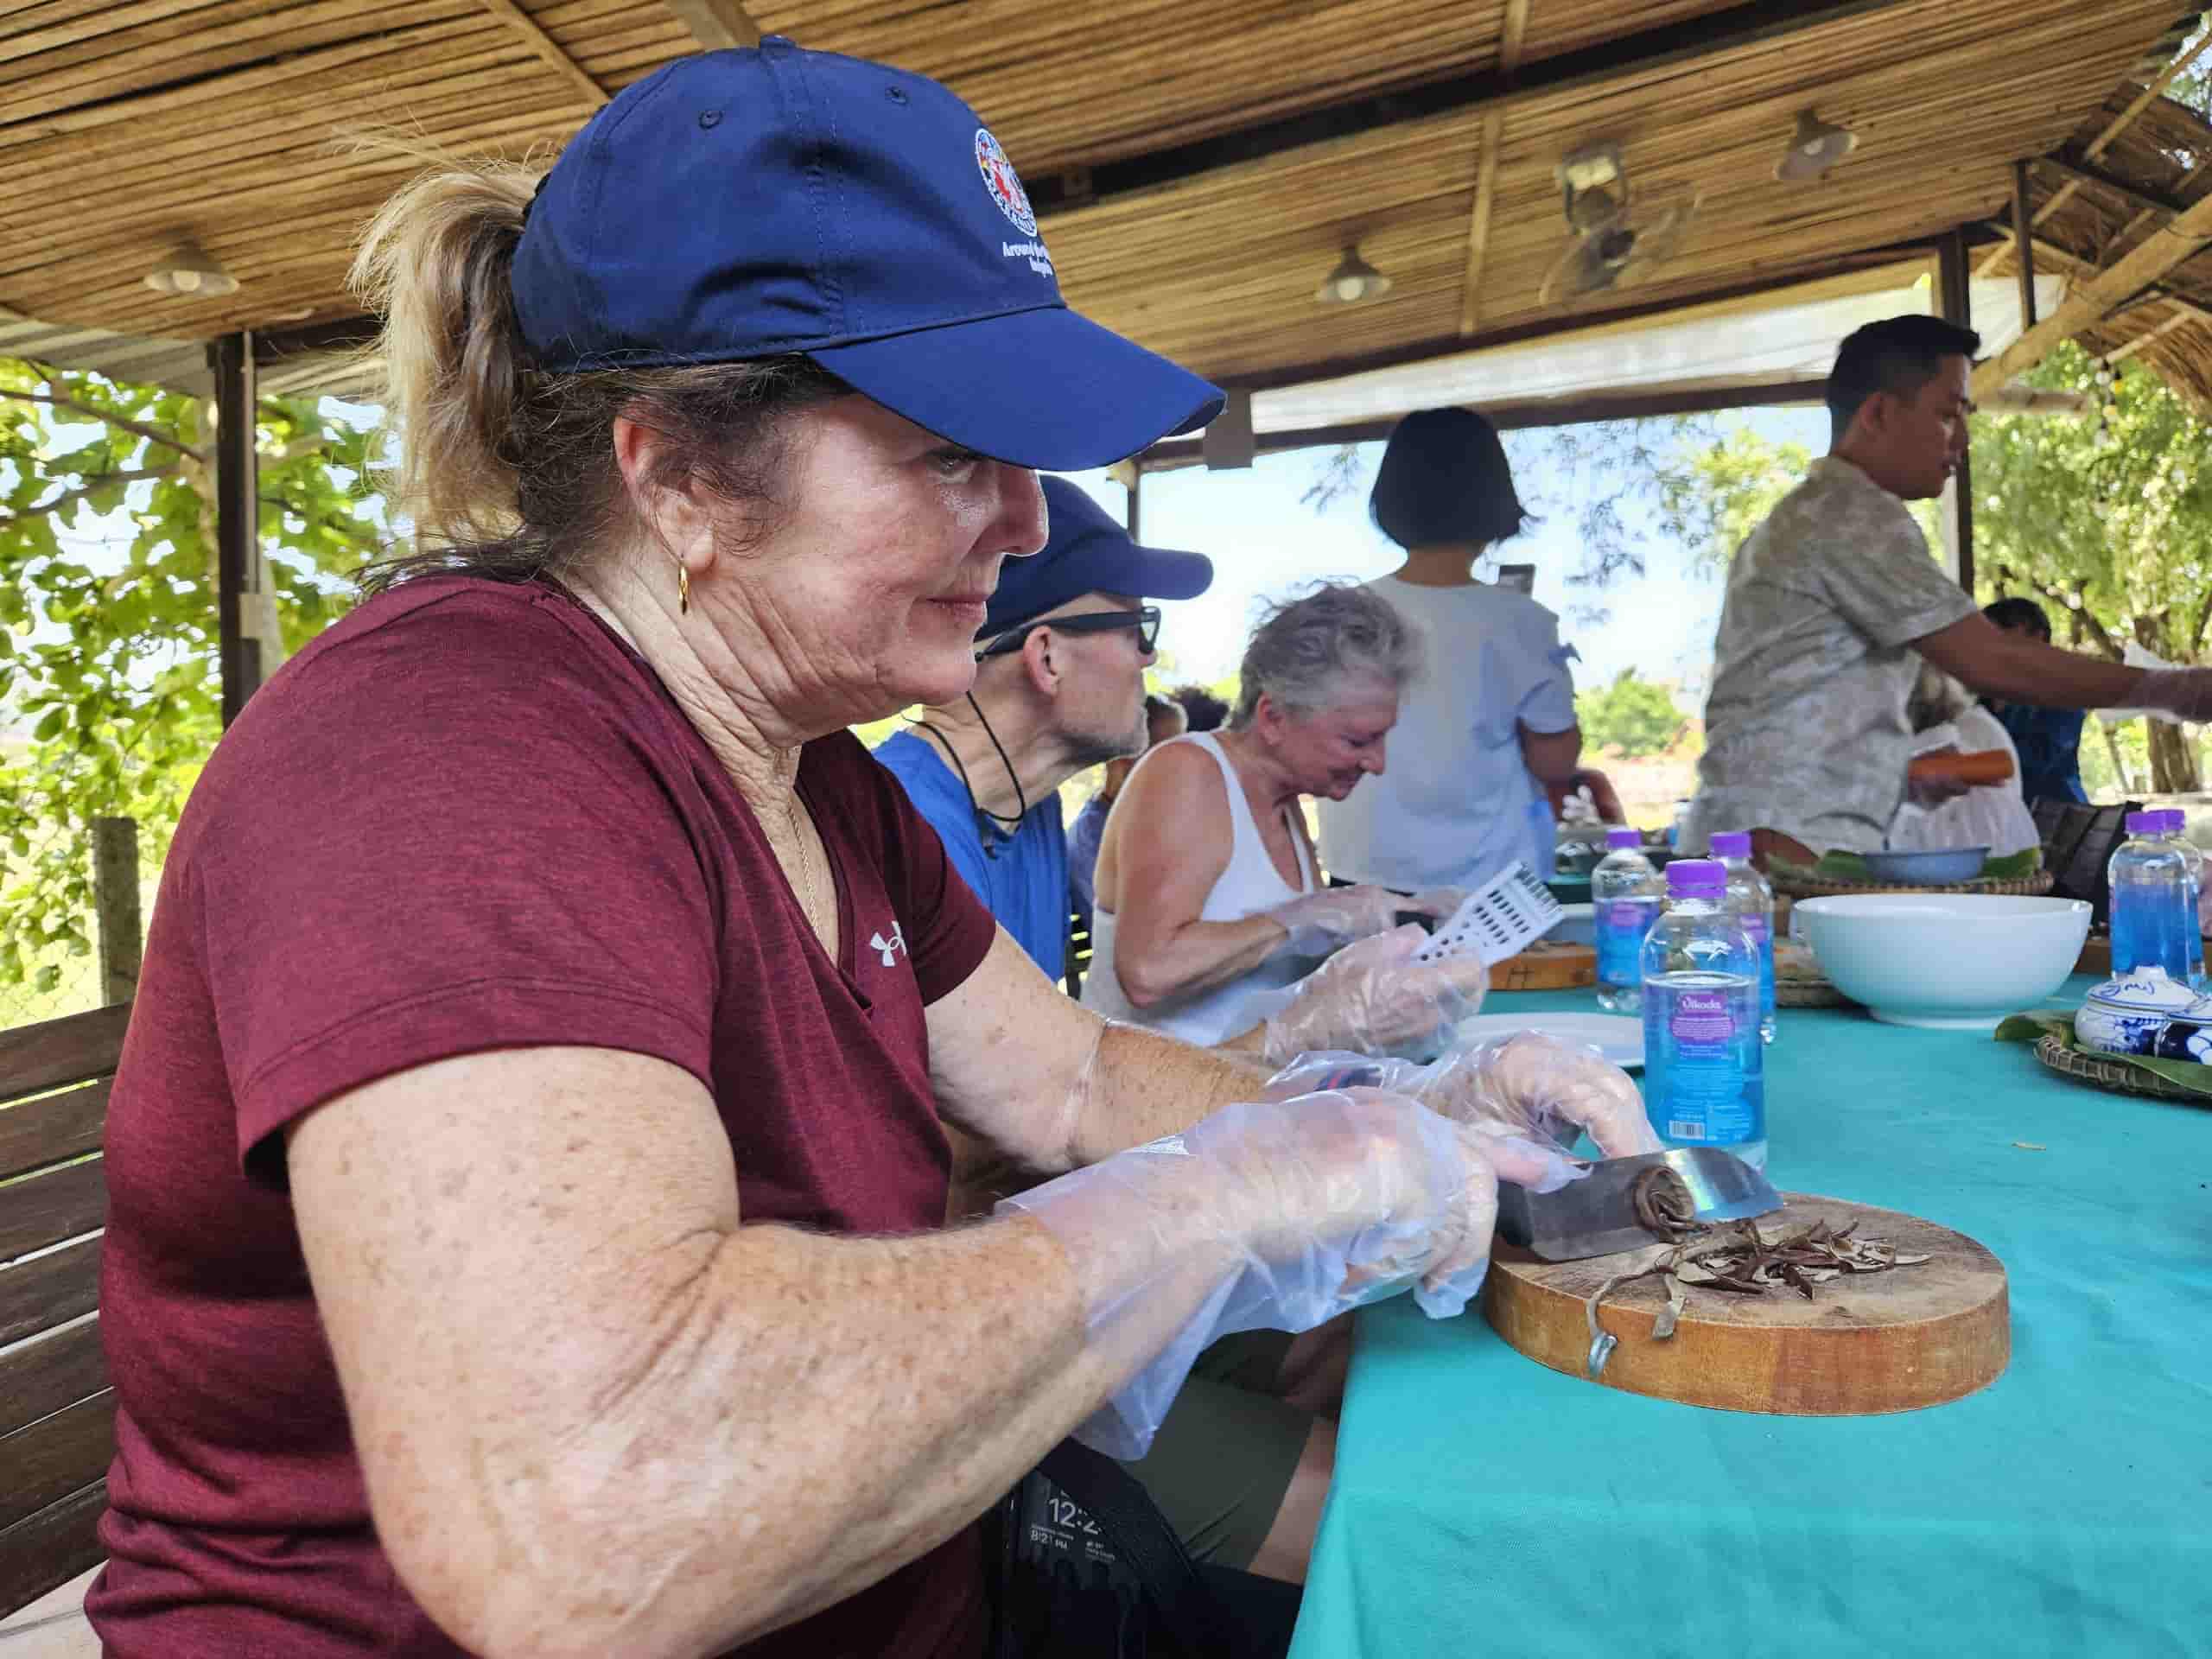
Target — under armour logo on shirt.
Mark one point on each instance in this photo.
(892, 946)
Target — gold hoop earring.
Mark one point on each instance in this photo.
(682, 588)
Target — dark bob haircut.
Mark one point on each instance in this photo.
(1207, 711)
(2017, 613)
(1899, 355)
(1444, 479)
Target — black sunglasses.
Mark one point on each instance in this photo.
(1145, 619)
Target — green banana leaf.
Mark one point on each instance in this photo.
(2031, 1027)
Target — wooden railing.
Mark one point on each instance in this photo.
(57, 1413)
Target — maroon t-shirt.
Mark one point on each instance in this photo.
(469, 817)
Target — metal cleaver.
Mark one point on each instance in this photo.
(1594, 1216)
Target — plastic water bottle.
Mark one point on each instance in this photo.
(2173, 831)
(1704, 1065)
(1752, 901)
(2154, 881)
(2178, 824)
(1625, 899)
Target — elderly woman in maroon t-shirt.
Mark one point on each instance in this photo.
(527, 1160)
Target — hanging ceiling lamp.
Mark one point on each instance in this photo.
(1351, 281)
(192, 274)
(1816, 146)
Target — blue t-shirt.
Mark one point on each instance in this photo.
(2049, 742)
(1021, 878)
(1083, 842)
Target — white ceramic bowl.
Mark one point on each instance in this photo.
(1954, 961)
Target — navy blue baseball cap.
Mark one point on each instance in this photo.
(1086, 551)
(750, 203)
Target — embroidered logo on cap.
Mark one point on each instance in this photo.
(1001, 180)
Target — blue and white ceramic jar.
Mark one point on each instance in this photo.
(2147, 1012)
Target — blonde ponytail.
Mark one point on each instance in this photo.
(435, 265)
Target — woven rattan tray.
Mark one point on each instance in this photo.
(2052, 1051)
(1802, 884)
(1809, 994)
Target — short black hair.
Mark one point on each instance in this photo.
(2017, 613)
(1445, 479)
(1206, 710)
(1898, 355)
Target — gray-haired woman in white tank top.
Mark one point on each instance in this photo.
(1209, 898)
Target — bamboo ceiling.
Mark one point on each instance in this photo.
(129, 128)
(2166, 152)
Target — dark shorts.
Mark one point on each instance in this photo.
(1224, 1457)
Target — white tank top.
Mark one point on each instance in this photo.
(1250, 882)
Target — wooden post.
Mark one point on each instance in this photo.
(1227, 443)
(2024, 249)
(115, 900)
(238, 516)
(1955, 301)
(1133, 517)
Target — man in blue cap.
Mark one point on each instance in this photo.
(1243, 1457)
(1059, 688)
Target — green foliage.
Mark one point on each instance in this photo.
(109, 675)
(1714, 498)
(2107, 520)
(1630, 717)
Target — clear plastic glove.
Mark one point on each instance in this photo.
(1321, 921)
(1280, 1214)
(2182, 693)
(1373, 998)
(1532, 1085)
(1530, 1096)
(1539, 1166)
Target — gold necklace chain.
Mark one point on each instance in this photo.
(793, 817)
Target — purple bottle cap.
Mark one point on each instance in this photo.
(1696, 878)
(2177, 820)
(1624, 837)
(1731, 843)
(2144, 823)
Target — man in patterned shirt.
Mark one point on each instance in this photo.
(1833, 602)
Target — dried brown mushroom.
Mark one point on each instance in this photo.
(1737, 1259)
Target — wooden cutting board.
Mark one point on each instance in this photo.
(1868, 1343)
(1546, 967)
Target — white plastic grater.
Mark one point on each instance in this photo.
(1499, 919)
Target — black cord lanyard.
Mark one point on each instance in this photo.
(982, 812)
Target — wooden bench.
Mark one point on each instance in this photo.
(57, 1413)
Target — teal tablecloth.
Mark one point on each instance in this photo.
(1484, 1504)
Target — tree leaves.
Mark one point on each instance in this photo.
(2105, 519)
(108, 635)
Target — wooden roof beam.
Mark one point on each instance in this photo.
(2093, 301)
(1509, 59)
(2122, 353)
(717, 24)
(589, 91)
(2073, 261)
(1667, 46)
(2112, 129)
(1577, 410)
(2085, 173)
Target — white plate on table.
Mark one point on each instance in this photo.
(1615, 1036)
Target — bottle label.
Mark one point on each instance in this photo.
(1622, 924)
(1701, 1020)
(1710, 1090)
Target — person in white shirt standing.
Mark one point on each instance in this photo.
(1489, 727)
